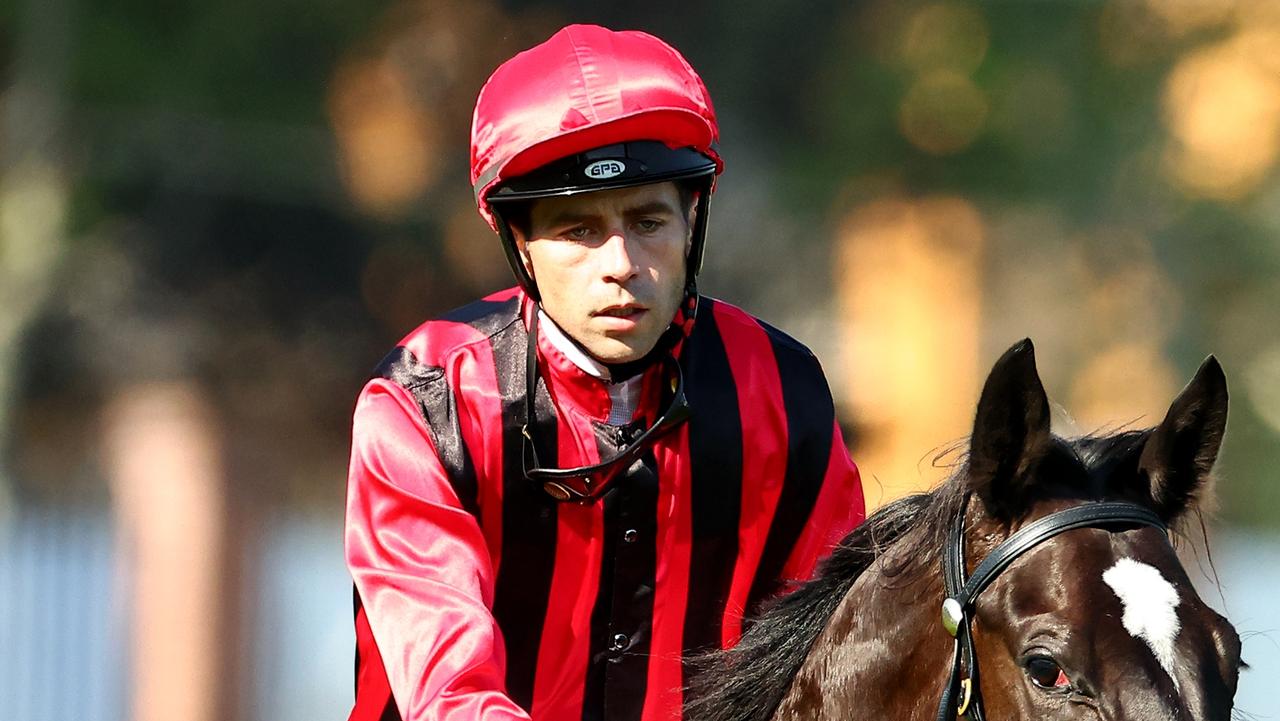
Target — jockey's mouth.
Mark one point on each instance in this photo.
(627, 310)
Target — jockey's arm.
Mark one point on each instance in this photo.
(838, 510)
(421, 568)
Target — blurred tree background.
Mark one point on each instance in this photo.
(215, 218)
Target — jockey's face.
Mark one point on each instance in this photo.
(610, 265)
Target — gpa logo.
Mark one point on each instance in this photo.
(605, 169)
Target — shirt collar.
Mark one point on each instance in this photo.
(571, 350)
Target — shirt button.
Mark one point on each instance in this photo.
(619, 642)
(630, 535)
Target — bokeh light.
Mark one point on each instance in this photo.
(909, 293)
(942, 113)
(1179, 18)
(1126, 294)
(946, 35)
(163, 456)
(389, 145)
(1222, 105)
(1134, 33)
(1128, 384)
(942, 44)
(1262, 385)
(473, 250)
(33, 203)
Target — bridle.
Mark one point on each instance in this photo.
(962, 696)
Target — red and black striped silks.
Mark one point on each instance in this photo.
(479, 596)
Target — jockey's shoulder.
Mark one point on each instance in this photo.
(726, 312)
(466, 329)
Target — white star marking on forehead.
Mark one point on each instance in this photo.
(1149, 602)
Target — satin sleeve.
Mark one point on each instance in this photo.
(421, 567)
(839, 509)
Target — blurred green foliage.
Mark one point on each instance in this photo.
(241, 60)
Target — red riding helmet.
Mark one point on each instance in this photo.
(591, 109)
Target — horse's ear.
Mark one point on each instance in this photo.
(1180, 452)
(1010, 432)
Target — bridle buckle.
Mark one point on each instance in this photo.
(966, 687)
(952, 616)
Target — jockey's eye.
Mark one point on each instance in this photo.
(1045, 673)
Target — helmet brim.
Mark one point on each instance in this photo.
(622, 165)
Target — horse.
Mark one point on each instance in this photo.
(1045, 562)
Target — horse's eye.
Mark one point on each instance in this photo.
(1045, 673)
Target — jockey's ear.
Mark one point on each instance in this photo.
(520, 237)
(691, 220)
(1010, 433)
(1179, 454)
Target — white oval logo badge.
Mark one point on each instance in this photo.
(605, 169)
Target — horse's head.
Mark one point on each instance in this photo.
(1095, 622)
(1067, 585)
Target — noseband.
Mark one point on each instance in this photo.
(961, 696)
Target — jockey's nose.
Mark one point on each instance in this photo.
(617, 259)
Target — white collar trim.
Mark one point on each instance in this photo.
(572, 350)
(623, 397)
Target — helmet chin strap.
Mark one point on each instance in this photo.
(507, 239)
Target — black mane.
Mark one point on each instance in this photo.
(748, 681)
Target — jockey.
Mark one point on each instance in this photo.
(560, 490)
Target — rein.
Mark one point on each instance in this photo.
(961, 696)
